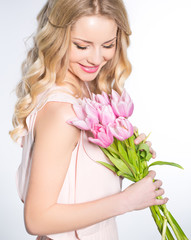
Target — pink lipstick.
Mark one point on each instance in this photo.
(89, 69)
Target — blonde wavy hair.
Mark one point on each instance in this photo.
(47, 61)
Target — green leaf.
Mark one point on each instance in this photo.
(144, 151)
(107, 153)
(119, 173)
(131, 141)
(107, 165)
(132, 154)
(145, 172)
(178, 226)
(136, 134)
(148, 157)
(145, 147)
(129, 177)
(122, 151)
(115, 155)
(115, 170)
(143, 154)
(128, 167)
(118, 163)
(166, 163)
(112, 149)
(133, 158)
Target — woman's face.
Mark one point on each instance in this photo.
(93, 44)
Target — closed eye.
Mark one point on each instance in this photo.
(85, 47)
(109, 46)
(80, 47)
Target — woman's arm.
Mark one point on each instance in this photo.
(54, 143)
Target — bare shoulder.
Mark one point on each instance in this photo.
(52, 119)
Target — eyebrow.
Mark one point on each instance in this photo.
(92, 42)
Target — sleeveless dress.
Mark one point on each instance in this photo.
(79, 186)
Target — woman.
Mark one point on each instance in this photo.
(79, 48)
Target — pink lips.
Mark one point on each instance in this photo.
(89, 69)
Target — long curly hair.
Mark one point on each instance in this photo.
(47, 61)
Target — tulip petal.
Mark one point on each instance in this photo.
(115, 108)
(115, 96)
(125, 96)
(106, 115)
(123, 109)
(98, 142)
(101, 99)
(91, 112)
(79, 111)
(104, 138)
(79, 124)
(116, 133)
(104, 94)
(121, 129)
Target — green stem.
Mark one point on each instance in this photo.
(172, 223)
(164, 229)
(177, 225)
(131, 151)
(111, 148)
(156, 219)
(169, 234)
(146, 137)
(159, 219)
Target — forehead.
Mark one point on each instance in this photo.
(94, 28)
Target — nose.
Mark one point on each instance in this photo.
(95, 57)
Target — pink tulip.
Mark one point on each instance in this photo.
(122, 105)
(121, 128)
(102, 136)
(87, 115)
(106, 115)
(90, 110)
(101, 98)
(99, 116)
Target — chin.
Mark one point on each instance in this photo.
(88, 79)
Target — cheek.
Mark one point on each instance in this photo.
(76, 55)
(109, 54)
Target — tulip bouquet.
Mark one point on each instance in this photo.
(106, 117)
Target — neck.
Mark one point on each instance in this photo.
(72, 79)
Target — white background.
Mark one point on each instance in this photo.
(159, 85)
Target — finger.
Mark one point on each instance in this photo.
(158, 184)
(148, 143)
(153, 153)
(159, 192)
(160, 201)
(140, 138)
(152, 174)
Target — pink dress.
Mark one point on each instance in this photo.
(86, 180)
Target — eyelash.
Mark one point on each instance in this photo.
(79, 47)
(110, 46)
(84, 48)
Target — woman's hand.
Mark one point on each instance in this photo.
(141, 138)
(143, 194)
